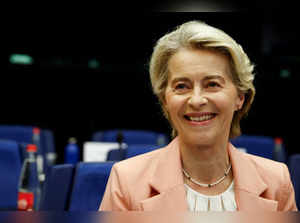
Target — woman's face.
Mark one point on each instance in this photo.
(200, 96)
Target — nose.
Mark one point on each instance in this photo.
(197, 99)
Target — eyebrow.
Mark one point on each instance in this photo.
(208, 77)
(177, 79)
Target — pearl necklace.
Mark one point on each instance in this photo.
(207, 185)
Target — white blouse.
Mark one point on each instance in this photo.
(220, 202)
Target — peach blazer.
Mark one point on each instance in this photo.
(154, 181)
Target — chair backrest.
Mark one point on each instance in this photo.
(10, 168)
(17, 133)
(116, 155)
(131, 136)
(48, 145)
(57, 188)
(294, 168)
(134, 150)
(89, 185)
(24, 135)
(257, 145)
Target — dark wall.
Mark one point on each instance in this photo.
(60, 92)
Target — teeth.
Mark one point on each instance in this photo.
(202, 118)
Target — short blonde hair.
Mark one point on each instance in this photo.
(197, 34)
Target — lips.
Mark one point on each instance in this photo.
(200, 117)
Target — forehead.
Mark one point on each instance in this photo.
(198, 63)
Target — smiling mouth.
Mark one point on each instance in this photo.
(201, 118)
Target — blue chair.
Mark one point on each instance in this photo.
(57, 188)
(259, 145)
(48, 145)
(294, 168)
(131, 137)
(24, 134)
(89, 185)
(134, 150)
(17, 133)
(116, 155)
(10, 168)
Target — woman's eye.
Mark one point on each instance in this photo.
(181, 86)
(213, 84)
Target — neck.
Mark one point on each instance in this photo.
(205, 163)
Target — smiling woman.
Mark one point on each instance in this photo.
(200, 93)
(204, 82)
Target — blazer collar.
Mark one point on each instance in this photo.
(167, 181)
(249, 185)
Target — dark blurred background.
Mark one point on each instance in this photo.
(92, 74)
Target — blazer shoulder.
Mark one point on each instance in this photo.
(127, 182)
(276, 175)
(267, 168)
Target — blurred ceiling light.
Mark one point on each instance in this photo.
(93, 64)
(197, 6)
(285, 73)
(23, 59)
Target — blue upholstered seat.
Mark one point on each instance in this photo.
(57, 188)
(10, 168)
(89, 185)
(131, 136)
(259, 145)
(294, 168)
(24, 134)
(134, 150)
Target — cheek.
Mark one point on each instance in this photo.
(169, 101)
(226, 104)
(167, 106)
(170, 106)
(166, 102)
(173, 105)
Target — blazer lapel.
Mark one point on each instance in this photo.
(249, 186)
(167, 182)
(251, 202)
(171, 200)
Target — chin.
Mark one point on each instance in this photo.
(199, 138)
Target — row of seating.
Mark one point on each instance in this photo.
(13, 142)
(263, 146)
(84, 183)
(82, 188)
(25, 134)
(130, 151)
(130, 137)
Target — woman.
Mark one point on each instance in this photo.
(204, 82)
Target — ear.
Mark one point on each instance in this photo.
(165, 109)
(240, 101)
(163, 101)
